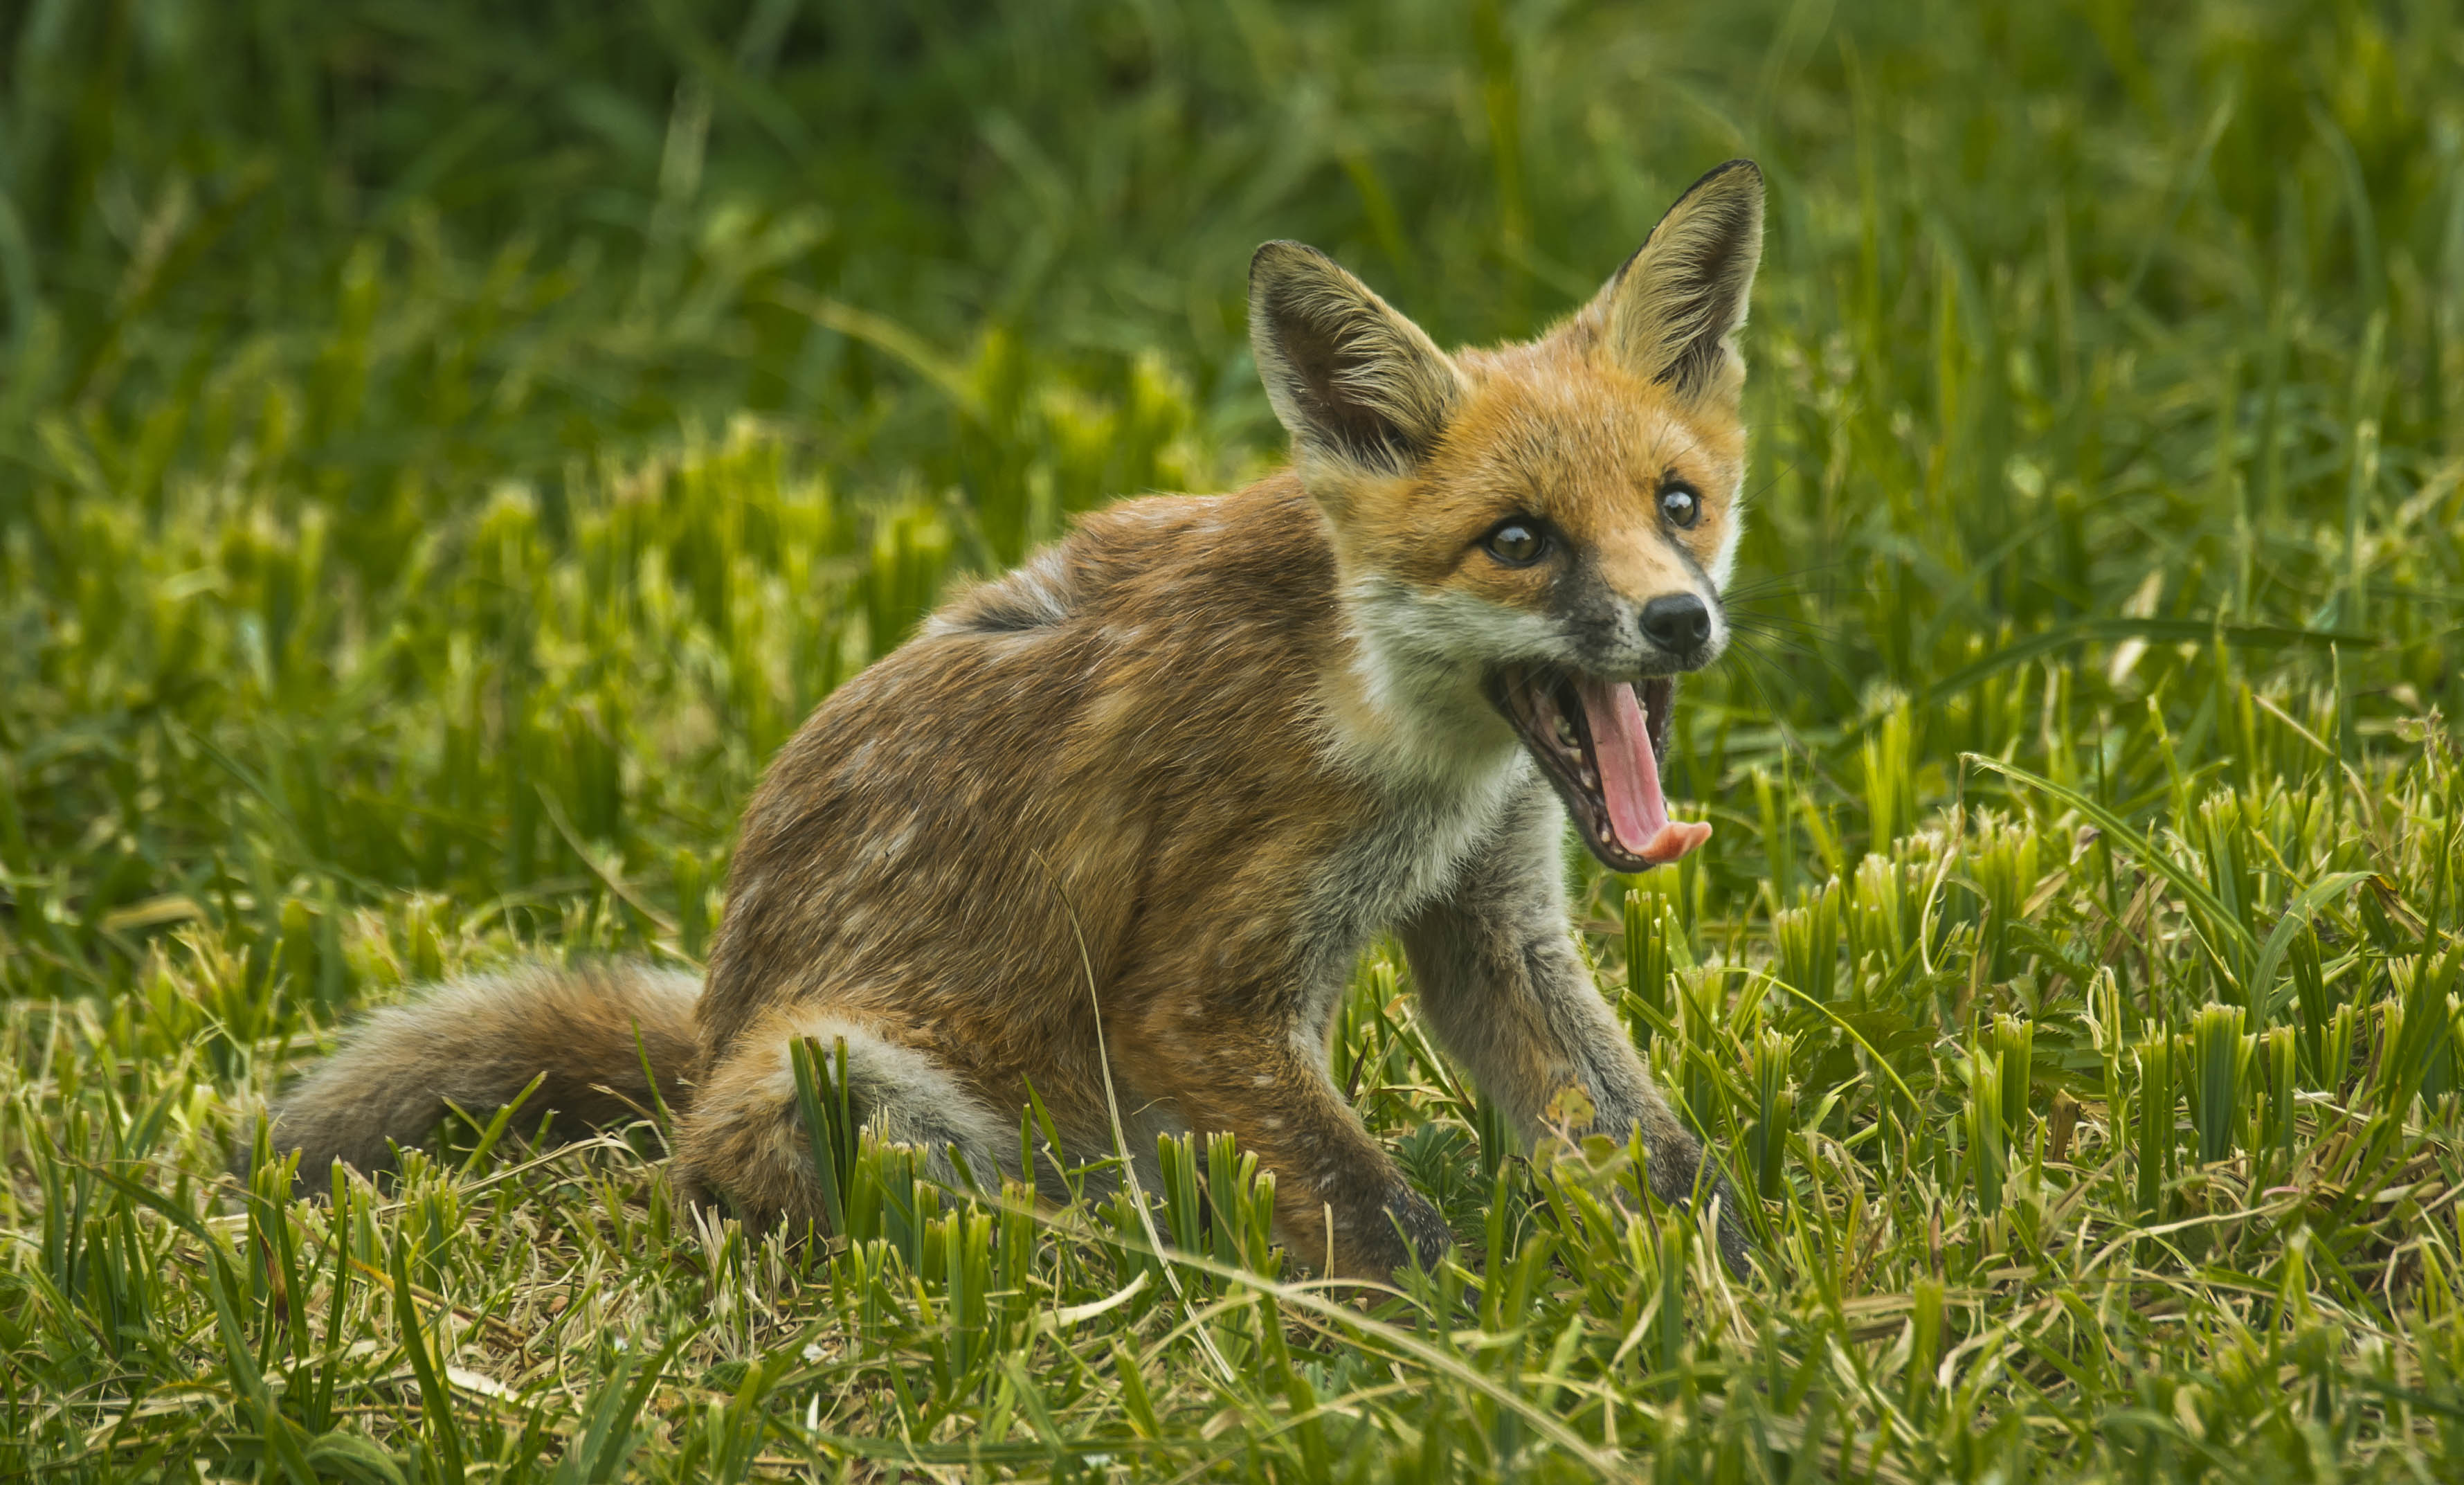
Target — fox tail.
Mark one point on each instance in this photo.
(610, 1039)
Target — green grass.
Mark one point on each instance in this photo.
(443, 452)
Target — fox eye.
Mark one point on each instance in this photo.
(1517, 543)
(1680, 505)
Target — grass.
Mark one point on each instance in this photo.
(443, 452)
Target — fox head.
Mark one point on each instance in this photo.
(1541, 529)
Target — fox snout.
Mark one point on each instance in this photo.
(1680, 631)
(1666, 635)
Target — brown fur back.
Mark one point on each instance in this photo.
(1061, 779)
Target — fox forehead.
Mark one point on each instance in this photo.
(1588, 447)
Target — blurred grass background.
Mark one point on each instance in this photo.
(444, 450)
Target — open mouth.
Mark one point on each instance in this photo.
(1599, 741)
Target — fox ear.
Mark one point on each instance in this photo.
(1669, 312)
(1356, 384)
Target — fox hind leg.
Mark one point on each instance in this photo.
(744, 1137)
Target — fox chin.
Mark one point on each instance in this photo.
(1133, 812)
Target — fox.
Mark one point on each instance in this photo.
(1116, 826)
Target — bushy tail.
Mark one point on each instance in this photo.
(477, 1043)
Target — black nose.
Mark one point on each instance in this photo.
(1677, 623)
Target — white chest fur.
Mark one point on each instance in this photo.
(1406, 855)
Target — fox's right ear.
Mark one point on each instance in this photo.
(1361, 388)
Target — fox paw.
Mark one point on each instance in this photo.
(1416, 1220)
(1703, 1186)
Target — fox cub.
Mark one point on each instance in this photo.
(1121, 822)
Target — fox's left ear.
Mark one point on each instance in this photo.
(1361, 388)
(1670, 312)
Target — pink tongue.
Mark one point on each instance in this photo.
(1630, 777)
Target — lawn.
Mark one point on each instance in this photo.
(445, 448)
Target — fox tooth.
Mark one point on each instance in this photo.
(1566, 733)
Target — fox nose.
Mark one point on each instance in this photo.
(1677, 623)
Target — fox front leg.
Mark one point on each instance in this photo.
(1338, 1197)
(1504, 987)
